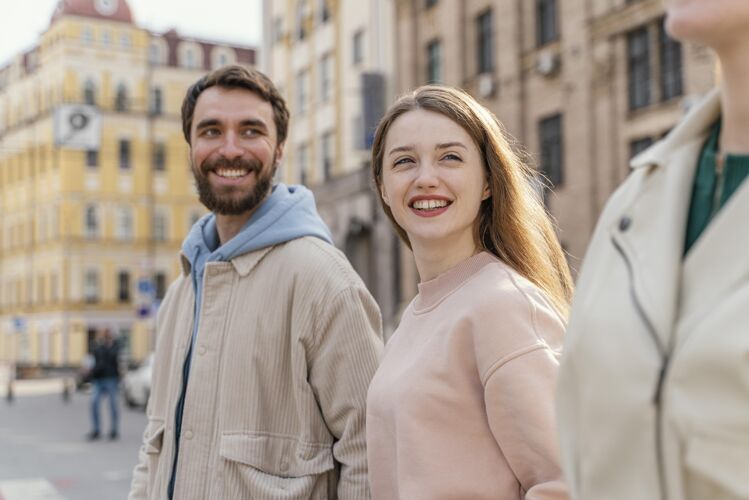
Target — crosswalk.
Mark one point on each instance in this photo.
(29, 489)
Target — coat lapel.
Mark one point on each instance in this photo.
(652, 241)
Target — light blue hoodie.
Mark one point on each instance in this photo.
(287, 214)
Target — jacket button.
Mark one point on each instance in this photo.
(624, 223)
(188, 435)
(284, 465)
(201, 350)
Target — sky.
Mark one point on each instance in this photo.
(237, 21)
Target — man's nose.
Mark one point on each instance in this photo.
(230, 147)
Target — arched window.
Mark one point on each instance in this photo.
(302, 14)
(157, 101)
(120, 100)
(92, 222)
(89, 92)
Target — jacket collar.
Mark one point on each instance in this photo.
(243, 264)
(652, 238)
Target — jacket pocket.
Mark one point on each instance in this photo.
(274, 467)
(716, 468)
(154, 439)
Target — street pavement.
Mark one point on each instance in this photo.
(44, 454)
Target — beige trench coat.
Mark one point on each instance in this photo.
(653, 393)
(289, 339)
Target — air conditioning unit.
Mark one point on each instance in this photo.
(485, 85)
(547, 63)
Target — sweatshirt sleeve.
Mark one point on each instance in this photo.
(519, 387)
(342, 364)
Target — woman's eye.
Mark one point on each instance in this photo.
(451, 157)
(402, 161)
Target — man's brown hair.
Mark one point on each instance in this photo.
(238, 77)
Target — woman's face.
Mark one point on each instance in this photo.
(433, 180)
(710, 22)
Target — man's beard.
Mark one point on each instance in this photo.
(227, 203)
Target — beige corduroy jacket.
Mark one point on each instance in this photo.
(289, 338)
(653, 394)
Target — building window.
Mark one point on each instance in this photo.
(160, 228)
(670, 60)
(552, 159)
(89, 93)
(123, 286)
(125, 40)
(358, 47)
(326, 143)
(430, 3)
(639, 145)
(92, 222)
(324, 11)
(303, 162)
(159, 157)
(159, 285)
(301, 19)
(546, 21)
(91, 286)
(326, 77)
(124, 151)
(106, 38)
(302, 89)
(156, 101)
(120, 100)
(154, 53)
(277, 30)
(124, 224)
(484, 55)
(53, 294)
(87, 35)
(434, 62)
(638, 67)
(92, 158)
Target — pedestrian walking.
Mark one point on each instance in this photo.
(268, 339)
(462, 404)
(105, 377)
(654, 383)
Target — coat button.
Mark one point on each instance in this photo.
(188, 435)
(201, 350)
(284, 465)
(624, 223)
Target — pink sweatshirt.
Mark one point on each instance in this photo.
(462, 406)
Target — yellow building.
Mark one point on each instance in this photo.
(96, 192)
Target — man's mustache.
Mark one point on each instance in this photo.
(251, 165)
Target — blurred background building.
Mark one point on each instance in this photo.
(582, 85)
(95, 188)
(96, 192)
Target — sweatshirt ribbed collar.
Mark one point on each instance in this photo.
(434, 291)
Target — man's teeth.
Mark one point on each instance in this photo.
(429, 204)
(231, 173)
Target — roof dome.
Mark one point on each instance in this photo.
(110, 10)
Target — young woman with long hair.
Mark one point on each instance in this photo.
(462, 404)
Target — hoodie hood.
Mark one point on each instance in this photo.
(287, 214)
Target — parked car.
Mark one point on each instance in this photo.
(136, 386)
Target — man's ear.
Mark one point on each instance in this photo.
(279, 154)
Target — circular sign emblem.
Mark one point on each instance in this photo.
(106, 7)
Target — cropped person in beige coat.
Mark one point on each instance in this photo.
(462, 406)
(268, 339)
(654, 383)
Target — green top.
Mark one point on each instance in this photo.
(713, 186)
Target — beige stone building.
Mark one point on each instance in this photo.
(581, 84)
(96, 193)
(333, 61)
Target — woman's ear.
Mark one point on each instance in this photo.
(487, 193)
(384, 195)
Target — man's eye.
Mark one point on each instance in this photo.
(210, 132)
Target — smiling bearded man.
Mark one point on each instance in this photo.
(268, 339)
